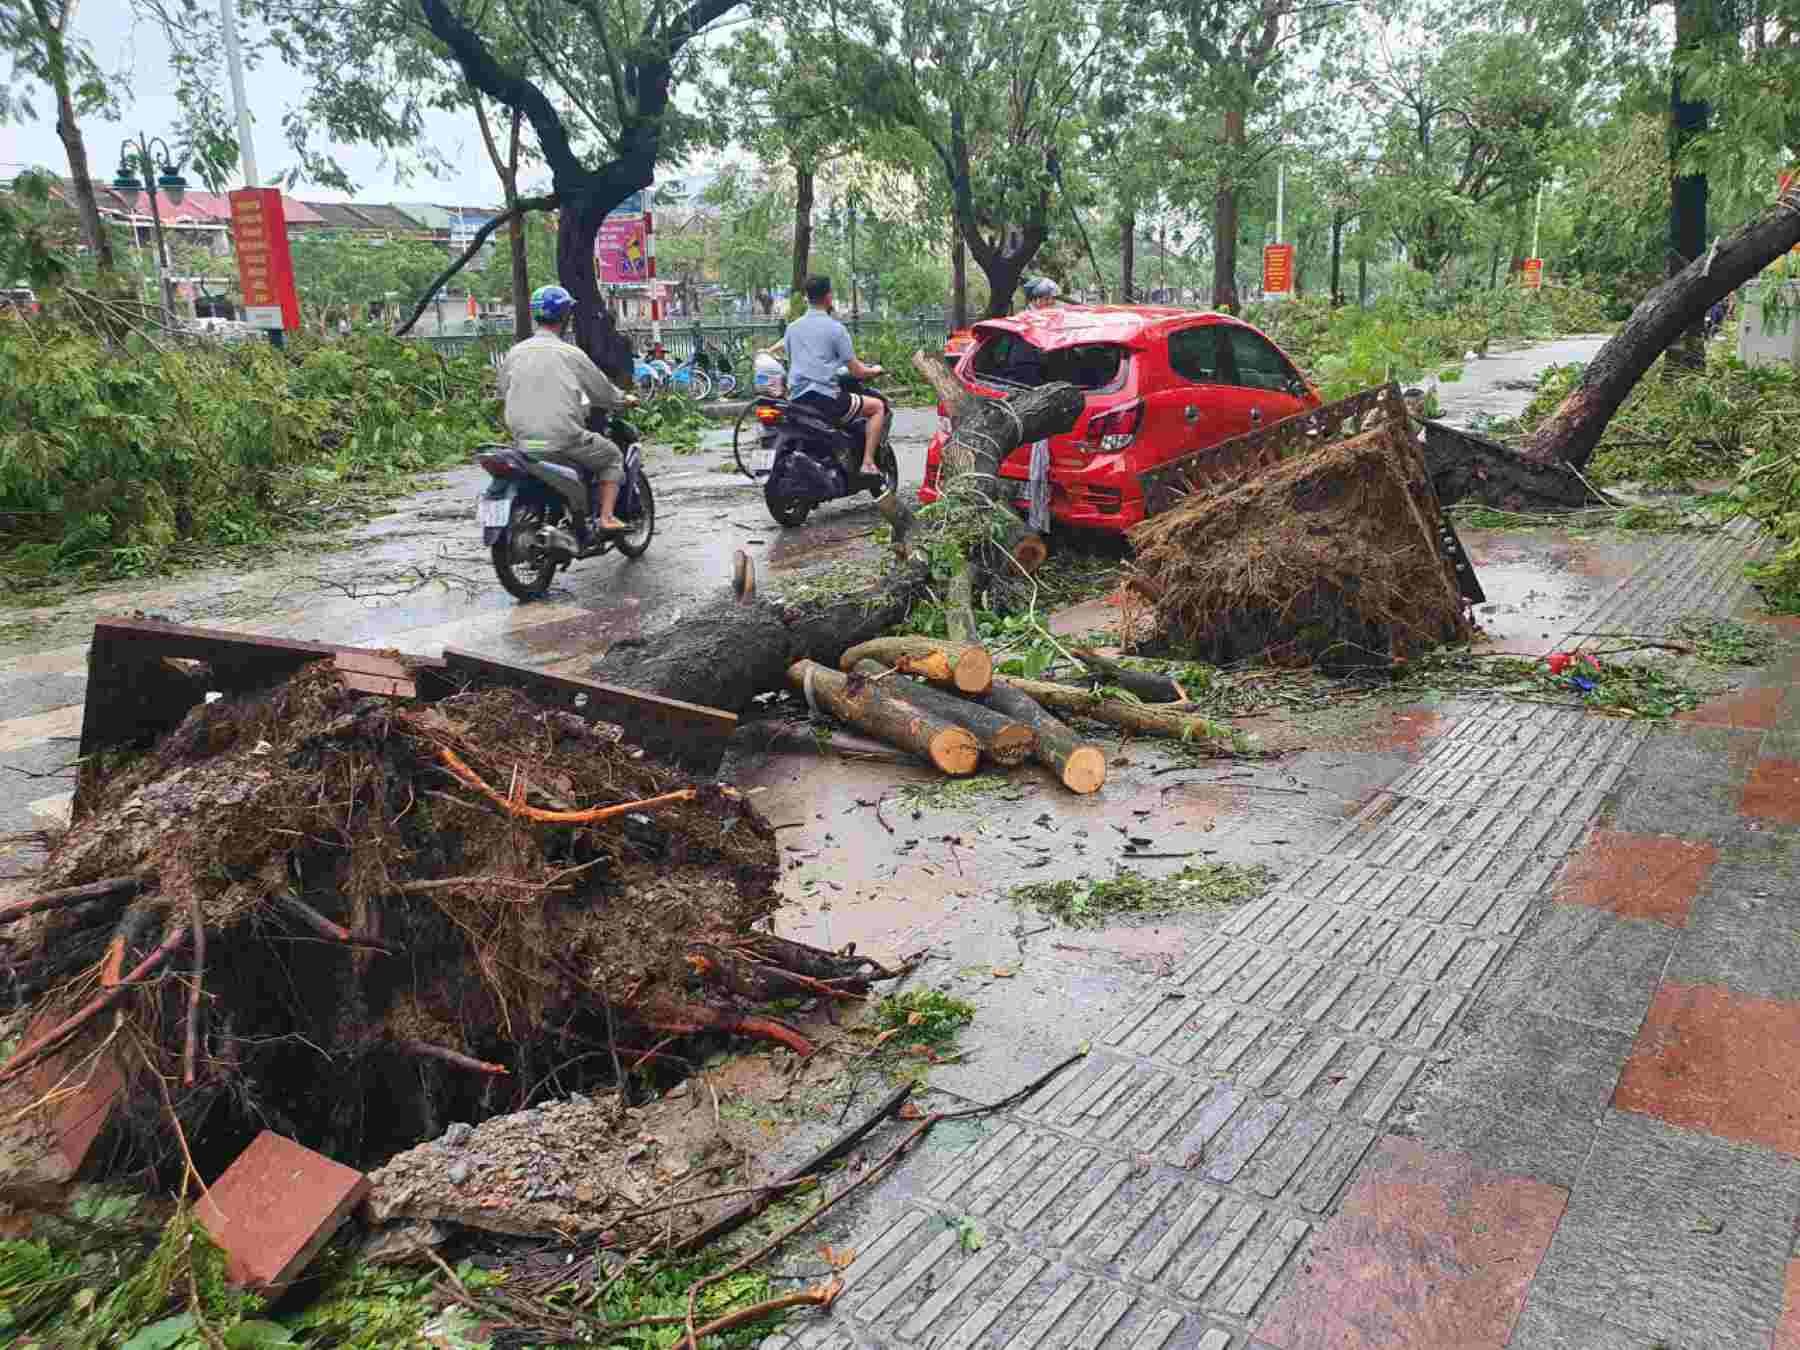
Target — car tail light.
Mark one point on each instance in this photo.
(767, 414)
(500, 466)
(1117, 428)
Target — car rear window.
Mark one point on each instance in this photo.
(1007, 358)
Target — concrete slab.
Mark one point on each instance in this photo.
(1787, 1332)
(1744, 931)
(1550, 1326)
(1427, 1250)
(1772, 792)
(275, 1207)
(1718, 1061)
(1523, 1092)
(1586, 965)
(1675, 1235)
(1638, 876)
(1687, 782)
(1754, 709)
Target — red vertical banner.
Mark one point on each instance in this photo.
(1532, 278)
(1278, 269)
(265, 268)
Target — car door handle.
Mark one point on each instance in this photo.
(1191, 413)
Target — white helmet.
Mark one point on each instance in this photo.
(1041, 289)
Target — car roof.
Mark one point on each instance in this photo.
(1073, 325)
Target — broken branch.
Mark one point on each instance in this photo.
(73, 895)
(449, 1056)
(467, 776)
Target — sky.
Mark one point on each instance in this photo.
(139, 51)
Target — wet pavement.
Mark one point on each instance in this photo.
(1501, 384)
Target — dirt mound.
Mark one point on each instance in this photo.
(1330, 558)
(410, 915)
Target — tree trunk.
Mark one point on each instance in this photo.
(1225, 217)
(959, 276)
(869, 705)
(963, 667)
(1004, 740)
(68, 130)
(1687, 191)
(578, 225)
(725, 653)
(1128, 256)
(521, 270)
(1003, 269)
(1574, 429)
(1079, 765)
(1362, 282)
(1337, 258)
(803, 208)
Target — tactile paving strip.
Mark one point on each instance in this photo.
(1154, 1195)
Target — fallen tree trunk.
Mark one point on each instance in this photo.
(964, 667)
(1572, 432)
(1079, 764)
(725, 653)
(1466, 467)
(983, 433)
(1144, 684)
(1004, 740)
(1173, 721)
(865, 704)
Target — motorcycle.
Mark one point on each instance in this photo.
(802, 460)
(528, 510)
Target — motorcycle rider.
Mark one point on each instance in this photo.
(818, 345)
(543, 381)
(1041, 294)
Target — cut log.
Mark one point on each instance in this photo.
(1080, 764)
(1004, 740)
(1144, 684)
(1173, 721)
(865, 704)
(1025, 546)
(965, 667)
(1571, 433)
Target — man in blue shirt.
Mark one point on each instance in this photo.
(818, 346)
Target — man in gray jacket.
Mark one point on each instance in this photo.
(547, 384)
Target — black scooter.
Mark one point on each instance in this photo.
(527, 512)
(802, 460)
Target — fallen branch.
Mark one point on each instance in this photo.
(1144, 684)
(324, 927)
(548, 202)
(60, 1034)
(1078, 764)
(1172, 721)
(73, 895)
(191, 1051)
(966, 668)
(453, 1057)
(467, 776)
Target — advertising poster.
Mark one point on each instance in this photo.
(621, 249)
(265, 268)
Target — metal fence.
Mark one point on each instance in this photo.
(739, 338)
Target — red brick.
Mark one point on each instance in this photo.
(1773, 792)
(1712, 1060)
(1428, 1250)
(1787, 1332)
(1742, 709)
(1639, 876)
(275, 1207)
(81, 1090)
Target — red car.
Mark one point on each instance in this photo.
(1161, 383)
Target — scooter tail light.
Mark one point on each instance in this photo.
(498, 465)
(767, 415)
(1115, 429)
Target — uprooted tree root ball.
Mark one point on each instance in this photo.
(409, 915)
(1330, 558)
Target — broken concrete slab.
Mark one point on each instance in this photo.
(554, 1169)
(275, 1207)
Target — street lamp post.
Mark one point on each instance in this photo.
(137, 169)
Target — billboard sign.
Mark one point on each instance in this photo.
(1278, 269)
(265, 268)
(622, 248)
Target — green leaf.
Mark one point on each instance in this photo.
(256, 1335)
(161, 1335)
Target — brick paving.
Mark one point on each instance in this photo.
(1509, 1063)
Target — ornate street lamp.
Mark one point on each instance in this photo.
(137, 171)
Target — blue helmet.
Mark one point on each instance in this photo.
(551, 304)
